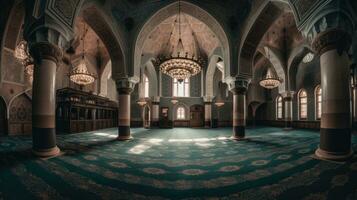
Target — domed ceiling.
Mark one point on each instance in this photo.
(92, 43)
(194, 34)
(276, 35)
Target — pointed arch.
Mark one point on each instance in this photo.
(318, 102)
(254, 29)
(181, 107)
(13, 26)
(148, 71)
(20, 115)
(302, 104)
(294, 60)
(279, 107)
(170, 10)
(275, 58)
(212, 66)
(110, 34)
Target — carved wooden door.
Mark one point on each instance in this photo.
(196, 116)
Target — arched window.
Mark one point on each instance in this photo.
(181, 89)
(146, 87)
(180, 113)
(302, 104)
(279, 107)
(318, 102)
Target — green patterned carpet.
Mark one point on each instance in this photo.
(176, 164)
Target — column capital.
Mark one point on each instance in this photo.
(155, 99)
(332, 39)
(45, 50)
(329, 27)
(239, 85)
(208, 99)
(288, 95)
(125, 86)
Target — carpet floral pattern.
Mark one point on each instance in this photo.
(177, 164)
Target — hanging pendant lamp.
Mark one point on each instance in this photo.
(80, 74)
(180, 64)
(270, 81)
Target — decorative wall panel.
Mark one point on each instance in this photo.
(20, 116)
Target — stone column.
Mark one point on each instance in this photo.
(208, 114)
(208, 111)
(354, 96)
(354, 82)
(155, 112)
(354, 106)
(288, 109)
(239, 89)
(46, 56)
(124, 87)
(335, 133)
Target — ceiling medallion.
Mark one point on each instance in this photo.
(270, 81)
(180, 64)
(80, 74)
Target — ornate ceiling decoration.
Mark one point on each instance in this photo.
(178, 60)
(283, 33)
(156, 42)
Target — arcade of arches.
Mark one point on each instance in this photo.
(178, 99)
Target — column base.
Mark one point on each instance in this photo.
(238, 133)
(124, 133)
(335, 156)
(238, 138)
(124, 138)
(208, 124)
(46, 152)
(155, 124)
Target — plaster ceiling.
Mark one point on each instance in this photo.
(160, 42)
(93, 45)
(275, 36)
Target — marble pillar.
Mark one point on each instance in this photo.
(46, 56)
(239, 89)
(335, 132)
(208, 114)
(124, 88)
(288, 109)
(354, 92)
(155, 113)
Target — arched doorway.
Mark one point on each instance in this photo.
(146, 117)
(3, 113)
(197, 116)
(20, 116)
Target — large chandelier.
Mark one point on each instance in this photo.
(22, 54)
(180, 64)
(270, 81)
(80, 74)
(21, 51)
